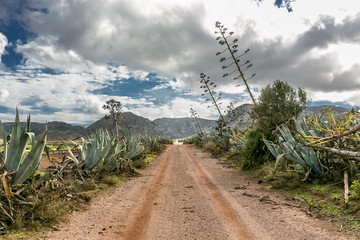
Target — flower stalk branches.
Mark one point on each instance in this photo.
(209, 87)
(195, 115)
(232, 47)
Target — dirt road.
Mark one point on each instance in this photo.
(186, 194)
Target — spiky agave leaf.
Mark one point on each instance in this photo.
(18, 142)
(31, 161)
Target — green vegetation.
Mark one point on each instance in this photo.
(312, 157)
(32, 199)
(278, 103)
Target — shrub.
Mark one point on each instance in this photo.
(278, 103)
(355, 186)
(255, 152)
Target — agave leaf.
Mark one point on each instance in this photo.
(307, 174)
(31, 161)
(18, 143)
(299, 128)
(285, 132)
(109, 162)
(91, 147)
(4, 142)
(13, 145)
(315, 162)
(278, 159)
(72, 155)
(313, 133)
(272, 147)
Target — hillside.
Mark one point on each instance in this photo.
(180, 127)
(243, 120)
(165, 127)
(56, 129)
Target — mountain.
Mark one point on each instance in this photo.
(127, 120)
(180, 127)
(319, 109)
(242, 117)
(56, 129)
(164, 127)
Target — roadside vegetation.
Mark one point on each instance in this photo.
(314, 158)
(32, 199)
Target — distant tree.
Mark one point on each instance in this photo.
(278, 103)
(114, 108)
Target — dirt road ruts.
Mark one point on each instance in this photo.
(186, 194)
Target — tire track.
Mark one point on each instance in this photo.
(216, 195)
(140, 220)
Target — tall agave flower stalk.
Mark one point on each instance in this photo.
(224, 39)
(195, 115)
(209, 87)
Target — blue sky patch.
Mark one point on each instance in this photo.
(45, 109)
(14, 32)
(41, 106)
(130, 87)
(339, 104)
(6, 109)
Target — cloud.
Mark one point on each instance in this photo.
(4, 95)
(90, 104)
(81, 53)
(43, 52)
(3, 43)
(304, 62)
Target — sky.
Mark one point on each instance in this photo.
(62, 60)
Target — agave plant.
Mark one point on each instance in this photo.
(99, 151)
(336, 134)
(133, 147)
(151, 142)
(237, 140)
(306, 159)
(14, 161)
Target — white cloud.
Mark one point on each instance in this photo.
(4, 95)
(90, 104)
(3, 44)
(93, 43)
(350, 97)
(43, 52)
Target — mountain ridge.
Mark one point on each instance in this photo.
(164, 127)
